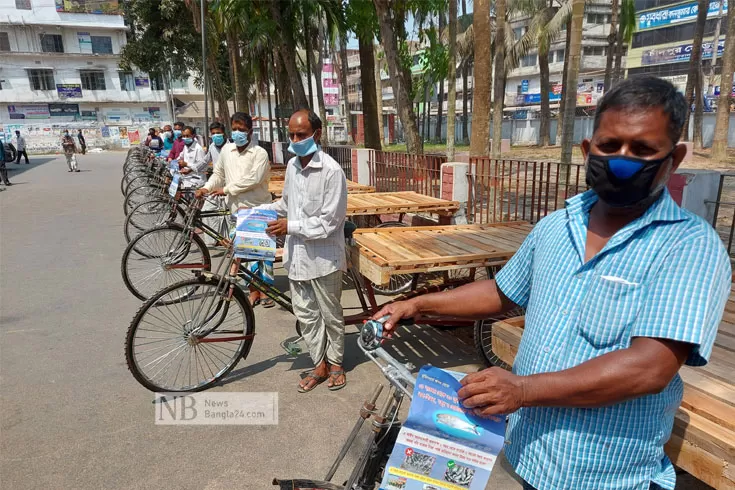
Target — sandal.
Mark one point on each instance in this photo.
(334, 374)
(319, 380)
(267, 303)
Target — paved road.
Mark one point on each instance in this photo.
(72, 417)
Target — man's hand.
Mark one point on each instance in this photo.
(278, 227)
(182, 163)
(185, 170)
(218, 192)
(200, 193)
(492, 391)
(397, 311)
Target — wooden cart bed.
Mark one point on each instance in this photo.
(398, 202)
(275, 186)
(703, 438)
(383, 252)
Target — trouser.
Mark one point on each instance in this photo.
(318, 308)
(3, 171)
(210, 204)
(84, 149)
(21, 152)
(71, 160)
(653, 486)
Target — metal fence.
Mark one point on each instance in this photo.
(723, 218)
(519, 190)
(287, 155)
(343, 155)
(268, 147)
(395, 171)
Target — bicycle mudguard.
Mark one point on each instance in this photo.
(306, 485)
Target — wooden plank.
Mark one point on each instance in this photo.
(505, 341)
(710, 408)
(432, 228)
(699, 463)
(716, 440)
(713, 387)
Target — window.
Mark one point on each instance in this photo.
(52, 43)
(518, 32)
(559, 56)
(156, 82)
(101, 44)
(127, 82)
(23, 4)
(41, 79)
(4, 42)
(93, 80)
(180, 84)
(595, 51)
(684, 32)
(597, 19)
(529, 60)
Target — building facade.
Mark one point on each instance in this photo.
(59, 69)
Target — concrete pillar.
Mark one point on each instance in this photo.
(360, 165)
(455, 187)
(277, 153)
(697, 187)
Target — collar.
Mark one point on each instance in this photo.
(316, 162)
(235, 149)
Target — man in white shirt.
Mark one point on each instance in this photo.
(315, 201)
(20, 145)
(219, 138)
(191, 162)
(241, 175)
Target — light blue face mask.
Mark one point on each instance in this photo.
(177, 133)
(188, 141)
(218, 139)
(304, 147)
(240, 138)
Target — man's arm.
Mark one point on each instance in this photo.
(644, 368)
(333, 212)
(200, 163)
(251, 177)
(217, 180)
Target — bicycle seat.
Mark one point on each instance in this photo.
(350, 228)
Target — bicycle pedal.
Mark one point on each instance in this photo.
(291, 348)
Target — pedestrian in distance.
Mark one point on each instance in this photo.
(82, 142)
(70, 149)
(20, 145)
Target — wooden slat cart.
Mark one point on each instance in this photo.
(275, 186)
(703, 438)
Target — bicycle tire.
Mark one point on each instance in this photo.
(136, 251)
(133, 228)
(141, 194)
(399, 283)
(139, 181)
(134, 354)
(482, 336)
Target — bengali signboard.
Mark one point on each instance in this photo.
(524, 86)
(142, 82)
(117, 116)
(63, 110)
(685, 12)
(680, 53)
(89, 115)
(530, 99)
(38, 111)
(69, 90)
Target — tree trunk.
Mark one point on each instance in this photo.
(211, 102)
(439, 113)
(344, 68)
(400, 79)
(427, 114)
(379, 95)
(309, 64)
(233, 50)
(270, 107)
(317, 71)
(499, 77)
(560, 116)
(369, 97)
(713, 61)
(287, 50)
(219, 91)
(452, 75)
(612, 36)
(695, 63)
(570, 82)
(698, 111)
(276, 76)
(619, 48)
(480, 139)
(719, 144)
(543, 64)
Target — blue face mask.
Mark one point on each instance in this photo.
(240, 138)
(218, 139)
(304, 147)
(188, 141)
(177, 133)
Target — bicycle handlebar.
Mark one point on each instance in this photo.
(397, 373)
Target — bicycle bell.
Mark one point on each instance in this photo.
(371, 333)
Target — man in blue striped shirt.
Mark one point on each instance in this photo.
(621, 288)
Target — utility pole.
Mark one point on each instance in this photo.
(205, 136)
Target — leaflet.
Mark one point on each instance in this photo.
(443, 446)
(173, 188)
(251, 240)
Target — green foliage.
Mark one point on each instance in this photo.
(627, 20)
(362, 19)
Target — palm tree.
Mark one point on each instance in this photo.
(623, 36)
(695, 65)
(452, 95)
(483, 81)
(379, 61)
(611, 37)
(719, 144)
(343, 69)
(565, 71)
(570, 82)
(500, 23)
(391, 20)
(284, 14)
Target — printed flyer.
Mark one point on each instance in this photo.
(251, 240)
(442, 446)
(174, 187)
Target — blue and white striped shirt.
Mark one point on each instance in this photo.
(665, 275)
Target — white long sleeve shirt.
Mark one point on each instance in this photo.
(193, 156)
(242, 175)
(20, 144)
(315, 202)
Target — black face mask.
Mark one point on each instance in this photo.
(622, 181)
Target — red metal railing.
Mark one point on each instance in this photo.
(395, 171)
(512, 190)
(343, 155)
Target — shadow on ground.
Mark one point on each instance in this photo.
(14, 170)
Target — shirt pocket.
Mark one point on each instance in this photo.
(609, 311)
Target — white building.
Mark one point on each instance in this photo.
(59, 69)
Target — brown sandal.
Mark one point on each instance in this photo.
(335, 374)
(319, 380)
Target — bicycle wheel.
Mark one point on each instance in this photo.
(399, 283)
(161, 256)
(141, 194)
(483, 335)
(139, 180)
(189, 335)
(151, 214)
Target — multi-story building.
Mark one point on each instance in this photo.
(59, 69)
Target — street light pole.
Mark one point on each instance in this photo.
(202, 4)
